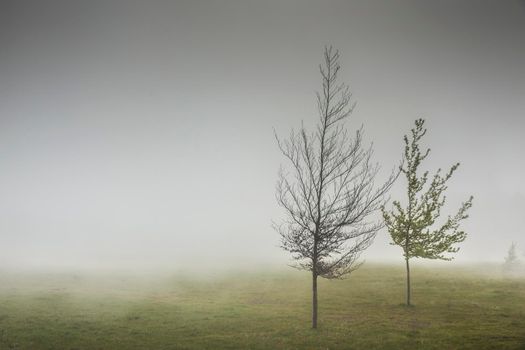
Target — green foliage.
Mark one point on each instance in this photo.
(411, 227)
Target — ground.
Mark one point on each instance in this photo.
(455, 308)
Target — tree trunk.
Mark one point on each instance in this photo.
(408, 282)
(314, 300)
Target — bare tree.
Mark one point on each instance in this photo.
(328, 191)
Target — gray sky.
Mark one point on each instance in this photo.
(139, 133)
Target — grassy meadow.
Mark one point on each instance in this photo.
(455, 308)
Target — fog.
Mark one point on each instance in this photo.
(140, 133)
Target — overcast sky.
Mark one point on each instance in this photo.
(139, 133)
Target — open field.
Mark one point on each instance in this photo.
(456, 308)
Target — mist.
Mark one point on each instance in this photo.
(141, 134)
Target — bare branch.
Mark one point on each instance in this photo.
(329, 194)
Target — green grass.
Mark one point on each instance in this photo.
(455, 308)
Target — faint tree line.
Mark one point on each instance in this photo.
(512, 262)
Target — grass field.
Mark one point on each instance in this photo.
(456, 308)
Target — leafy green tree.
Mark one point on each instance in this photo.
(412, 227)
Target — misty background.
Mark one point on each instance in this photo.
(140, 133)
